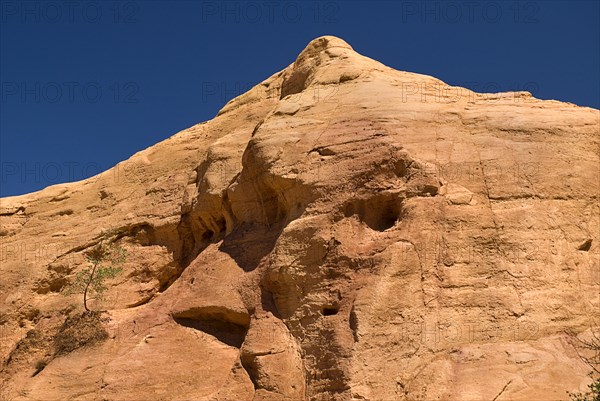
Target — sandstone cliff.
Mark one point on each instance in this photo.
(343, 231)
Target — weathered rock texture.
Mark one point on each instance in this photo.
(343, 231)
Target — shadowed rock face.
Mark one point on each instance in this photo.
(343, 231)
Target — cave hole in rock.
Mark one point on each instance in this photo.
(226, 326)
(330, 311)
(585, 246)
(380, 212)
(429, 190)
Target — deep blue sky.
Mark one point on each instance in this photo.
(85, 86)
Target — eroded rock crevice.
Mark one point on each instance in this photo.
(312, 275)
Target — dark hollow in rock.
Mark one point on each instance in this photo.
(353, 323)
(379, 212)
(330, 311)
(227, 326)
(585, 246)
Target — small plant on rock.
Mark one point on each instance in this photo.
(592, 346)
(104, 262)
(592, 395)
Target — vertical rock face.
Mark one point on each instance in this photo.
(343, 231)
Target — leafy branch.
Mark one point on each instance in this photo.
(592, 346)
(104, 262)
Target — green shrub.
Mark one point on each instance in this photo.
(104, 263)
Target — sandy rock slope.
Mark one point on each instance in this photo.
(342, 231)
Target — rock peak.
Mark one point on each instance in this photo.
(325, 42)
(320, 44)
(315, 55)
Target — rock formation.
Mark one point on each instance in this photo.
(342, 231)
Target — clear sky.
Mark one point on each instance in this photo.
(85, 84)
